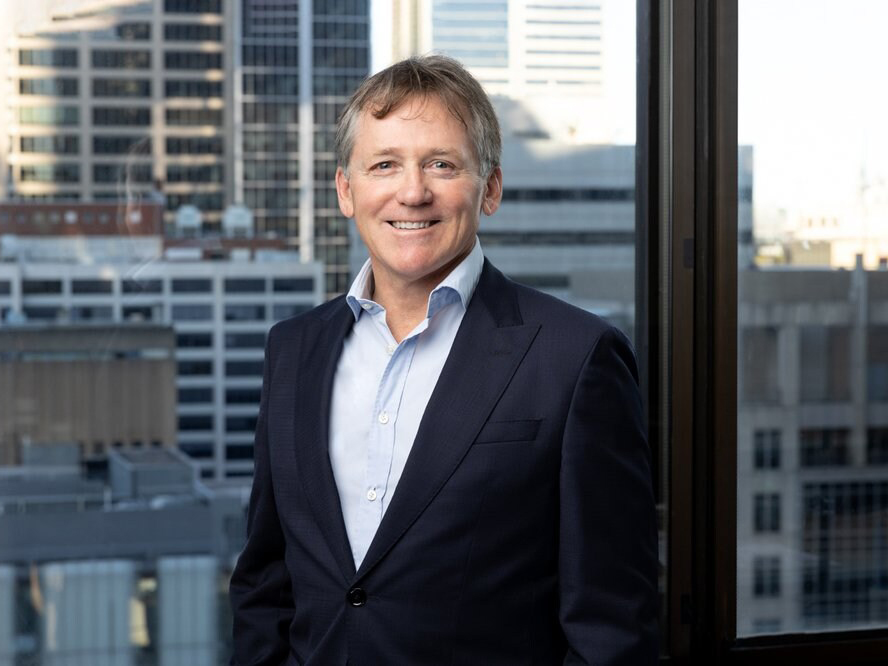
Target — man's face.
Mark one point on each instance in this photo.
(415, 192)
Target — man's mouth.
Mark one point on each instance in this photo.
(404, 224)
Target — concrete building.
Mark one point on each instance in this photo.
(123, 568)
(97, 385)
(214, 103)
(812, 450)
(219, 294)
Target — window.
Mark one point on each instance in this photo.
(121, 145)
(91, 286)
(49, 115)
(766, 577)
(240, 424)
(244, 312)
(823, 447)
(142, 286)
(243, 368)
(50, 173)
(59, 86)
(192, 395)
(121, 59)
(242, 396)
(877, 363)
(244, 285)
(192, 312)
(121, 88)
(191, 285)
(196, 422)
(48, 57)
(211, 173)
(111, 115)
(767, 512)
(767, 449)
(192, 88)
(271, 142)
(192, 6)
(57, 144)
(293, 285)
(194, 340)
(192, 32)
(271, 85)
(120, 173)
(245, 340)
(198, 60)
(828, 379)
(211, 145)
(195, 368)
(877, 446)
(189, 117)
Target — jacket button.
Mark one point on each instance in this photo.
(356, 597)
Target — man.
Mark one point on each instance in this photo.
(450, 468)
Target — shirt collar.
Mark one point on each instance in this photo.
(459, 285)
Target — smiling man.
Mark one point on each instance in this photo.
(450, 468)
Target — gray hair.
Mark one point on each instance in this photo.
(427, 76)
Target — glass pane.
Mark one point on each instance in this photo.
(812, 500)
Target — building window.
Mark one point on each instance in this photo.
(121, 145)
(91, 286)
(192, 32)
(766, 449)
(825, 359)
(49, 115)
(48, 57)
(190, 117)
(823, 447)
(191, 286)
(244, 312)
(121, 59)
(277, 85)
(121, 88)
(199, 394)
(341, 57)
(269, 113)
(194, 340)
(195, 368)
(56, 144)
(91, 313)
(268, 55)
(211, 173)
(285, 310)
(142, 286)
(766, 577)
(196, 422)
(244, 340)
(196, 60)
(240, 424)
(758, 365)
(50, 173)
(59, 86)
(242, 396)
(5, 287)
(192, 312)
(243, 368)
(877, 446)
(877, 363)
(110, 115)
(120, 173)
(766, 512)
(199, 450)
(280, 170)
(293, 285)
(238, 452)
(271, 142)
(138, 313)
(208, 145)
(244, 285)
(41, 287)
(192, 88)
(192, 6)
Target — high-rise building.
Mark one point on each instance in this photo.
(213, 102)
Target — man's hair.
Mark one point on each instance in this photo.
(424, 77)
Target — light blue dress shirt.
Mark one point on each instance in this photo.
(380, 393)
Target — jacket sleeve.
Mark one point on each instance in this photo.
(608, 561)
(260, 590)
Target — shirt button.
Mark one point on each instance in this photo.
(371, 494)
(383, 417)
(366, 306)
(391, 349)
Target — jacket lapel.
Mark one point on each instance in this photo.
(492, 340)
(316, 367)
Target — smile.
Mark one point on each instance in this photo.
(399, 224)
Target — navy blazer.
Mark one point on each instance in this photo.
(522, 530)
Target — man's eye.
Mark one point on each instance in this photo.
(382, 166)
(439, 164)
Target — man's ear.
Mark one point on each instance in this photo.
(344, 194)
(493, 192)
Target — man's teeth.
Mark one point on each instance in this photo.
(412, 225)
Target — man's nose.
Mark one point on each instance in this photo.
(413, 189)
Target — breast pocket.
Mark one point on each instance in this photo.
(494, 432)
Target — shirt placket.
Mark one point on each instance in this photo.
(381, 443)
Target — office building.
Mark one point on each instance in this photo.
(220, 295)
(195, 102)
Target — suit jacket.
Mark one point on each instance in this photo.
(522, 530)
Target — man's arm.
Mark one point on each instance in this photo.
(260, 591)
(608, 533)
